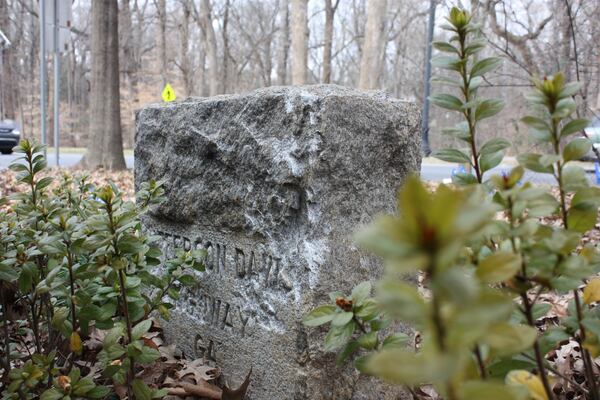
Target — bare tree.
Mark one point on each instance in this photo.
(520, 42)
(105, 144)
(161, 10)
(328, 38)
(284, 42)
(370, 64)
(8, 106)
(185, 63)
(210, 44)
(299, 41)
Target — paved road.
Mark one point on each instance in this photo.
(66, 159)
(430, 172)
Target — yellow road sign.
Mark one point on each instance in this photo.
(168, 94)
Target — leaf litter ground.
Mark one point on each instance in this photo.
(202, 379)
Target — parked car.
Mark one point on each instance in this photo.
(593, 133)
(10, 135)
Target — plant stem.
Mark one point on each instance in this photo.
(587, 360)
(72, 286)
(131, 373)
(360, 325)
(539, 359)
(440, 330)
(122, 282)
(6, 333)
(467, 113)
(35, 325)
(480, 363)
(551, 368)
(528, 307)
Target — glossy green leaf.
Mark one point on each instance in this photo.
(490, 160)
(505, 339)
(141, 390)
(564, 108)
(574, 126)
(485, 65)
(532, 162)
(368, 340)
(341, 319)
(397, 339)
(574, 178)
(536, 123)
(447, 62)
(488, 108)
(445, 47)
(447, 101)
(320, 315)
(576, 149)
(339, 336)
(452, 155)
(494, 145)
(140, 329)
(498, 267)
(346, 352)
(404, 367)
(361, 292)
(490, 390)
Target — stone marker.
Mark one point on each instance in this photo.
(274, 184)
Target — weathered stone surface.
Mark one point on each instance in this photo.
(274, 183)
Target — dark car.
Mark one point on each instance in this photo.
(9, 135)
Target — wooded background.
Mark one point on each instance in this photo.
(209, 47)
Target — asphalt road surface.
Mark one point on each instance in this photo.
(430, 172)
(66, 159)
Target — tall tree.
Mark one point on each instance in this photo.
(161, 10)
(328, 38)
(284, 42)
(370, 69)
(226, 54)
(105, 144)
(128, 46)
(185, 63)
(299, 41)
(210, 45)
(8, 95)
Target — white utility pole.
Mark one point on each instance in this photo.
(55, 25)
(56, 107)
(43, 72)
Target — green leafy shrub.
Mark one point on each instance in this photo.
(486, 250)
(76, 260)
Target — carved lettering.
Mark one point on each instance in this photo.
(246, 263)
(205, 348)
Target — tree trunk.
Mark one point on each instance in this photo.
(8, 95)
(284, 42)
(127, 43)
(211, 48)
(185, 64)
(137, 57)
(299, 41)
(328, 39)
(161, 8)
(372, 45)
(105, 146)
(226, 55)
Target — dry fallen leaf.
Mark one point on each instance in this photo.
(532, 382)
(591, 293)
(198, 370)
(239, 393)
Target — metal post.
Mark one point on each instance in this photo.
(56, 80)
(426, 78)
(43, 72)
